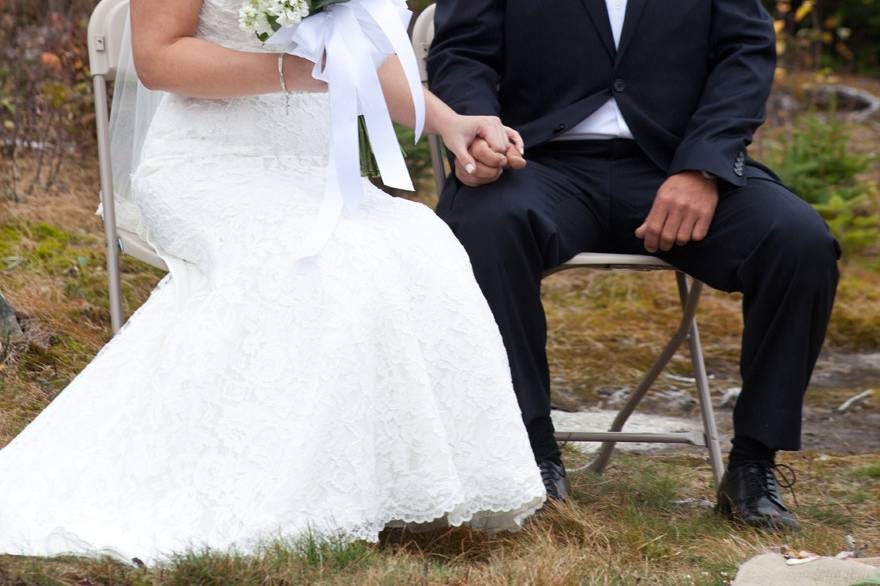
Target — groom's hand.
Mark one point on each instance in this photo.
(490, 164)
(682, 211)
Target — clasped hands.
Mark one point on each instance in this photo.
(683, 207)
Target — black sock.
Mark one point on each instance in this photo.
(543, 443)
(746, 449)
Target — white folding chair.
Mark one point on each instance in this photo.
(423, 34)
(106, 27)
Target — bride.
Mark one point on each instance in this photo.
(254, 395)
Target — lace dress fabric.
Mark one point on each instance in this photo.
(252, 397)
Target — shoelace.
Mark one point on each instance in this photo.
(546, 473)
(779, 470)
(782, 474)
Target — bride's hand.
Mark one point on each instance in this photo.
(461, 131)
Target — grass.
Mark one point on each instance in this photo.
(622, 528)
(869, 472)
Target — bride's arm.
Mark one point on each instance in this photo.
(458, 132)
(168, 57)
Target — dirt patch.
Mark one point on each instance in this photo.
(838, 377)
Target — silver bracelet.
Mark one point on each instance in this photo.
(283, 83)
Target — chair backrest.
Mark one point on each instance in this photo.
(106, 27)
(422, 37)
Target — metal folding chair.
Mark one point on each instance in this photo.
(423, 34)
(106, 27)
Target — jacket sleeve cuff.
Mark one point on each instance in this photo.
(729, 167)
(476, 108)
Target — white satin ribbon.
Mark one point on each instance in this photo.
(356, 37)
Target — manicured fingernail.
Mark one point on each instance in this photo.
(469, 168)
(522, 151)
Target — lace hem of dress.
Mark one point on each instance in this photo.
(486, 516)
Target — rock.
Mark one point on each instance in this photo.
(868, 361)
(675, 399)
(606, 392)
(600, 420)
(669, 399)
(618, 397)
(9, 327)
(695, 503)
(728, 400)
(771, 568)
(855, 104)
(782, 106)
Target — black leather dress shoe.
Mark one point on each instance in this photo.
(555, 480)
(749, 494)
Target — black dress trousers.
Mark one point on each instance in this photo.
(578, 196)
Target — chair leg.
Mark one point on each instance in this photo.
(114, 281)
(437, 163)
(689, 309)
(102, 122)
(705, 397)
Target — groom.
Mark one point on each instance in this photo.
(636, 116)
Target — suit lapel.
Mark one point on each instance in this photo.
(633, 13)
(599, 15)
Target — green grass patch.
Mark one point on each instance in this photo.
(872, 472)
(830, 515)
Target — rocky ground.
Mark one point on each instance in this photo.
(830, 423)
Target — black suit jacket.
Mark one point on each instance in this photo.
(691, 77)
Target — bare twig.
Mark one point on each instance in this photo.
(58, 156)
(41, 156)
(855, 400)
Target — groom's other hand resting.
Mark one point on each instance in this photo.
(490, 164)
(682, 211)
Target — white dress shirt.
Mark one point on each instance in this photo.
(607, 122)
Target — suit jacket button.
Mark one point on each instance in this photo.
(619, 85)
(559, 128)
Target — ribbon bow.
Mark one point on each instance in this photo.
(348, 42)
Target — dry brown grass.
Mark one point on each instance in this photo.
(52, 271)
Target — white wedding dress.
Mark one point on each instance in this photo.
(255, 397)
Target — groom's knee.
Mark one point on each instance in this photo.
(491, 221)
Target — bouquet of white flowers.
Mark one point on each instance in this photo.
(266, 17)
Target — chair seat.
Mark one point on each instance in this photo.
(602, 260)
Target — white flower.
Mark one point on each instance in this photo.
(264, 27)
(254, 17)
(248, 15)
(288, 12)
